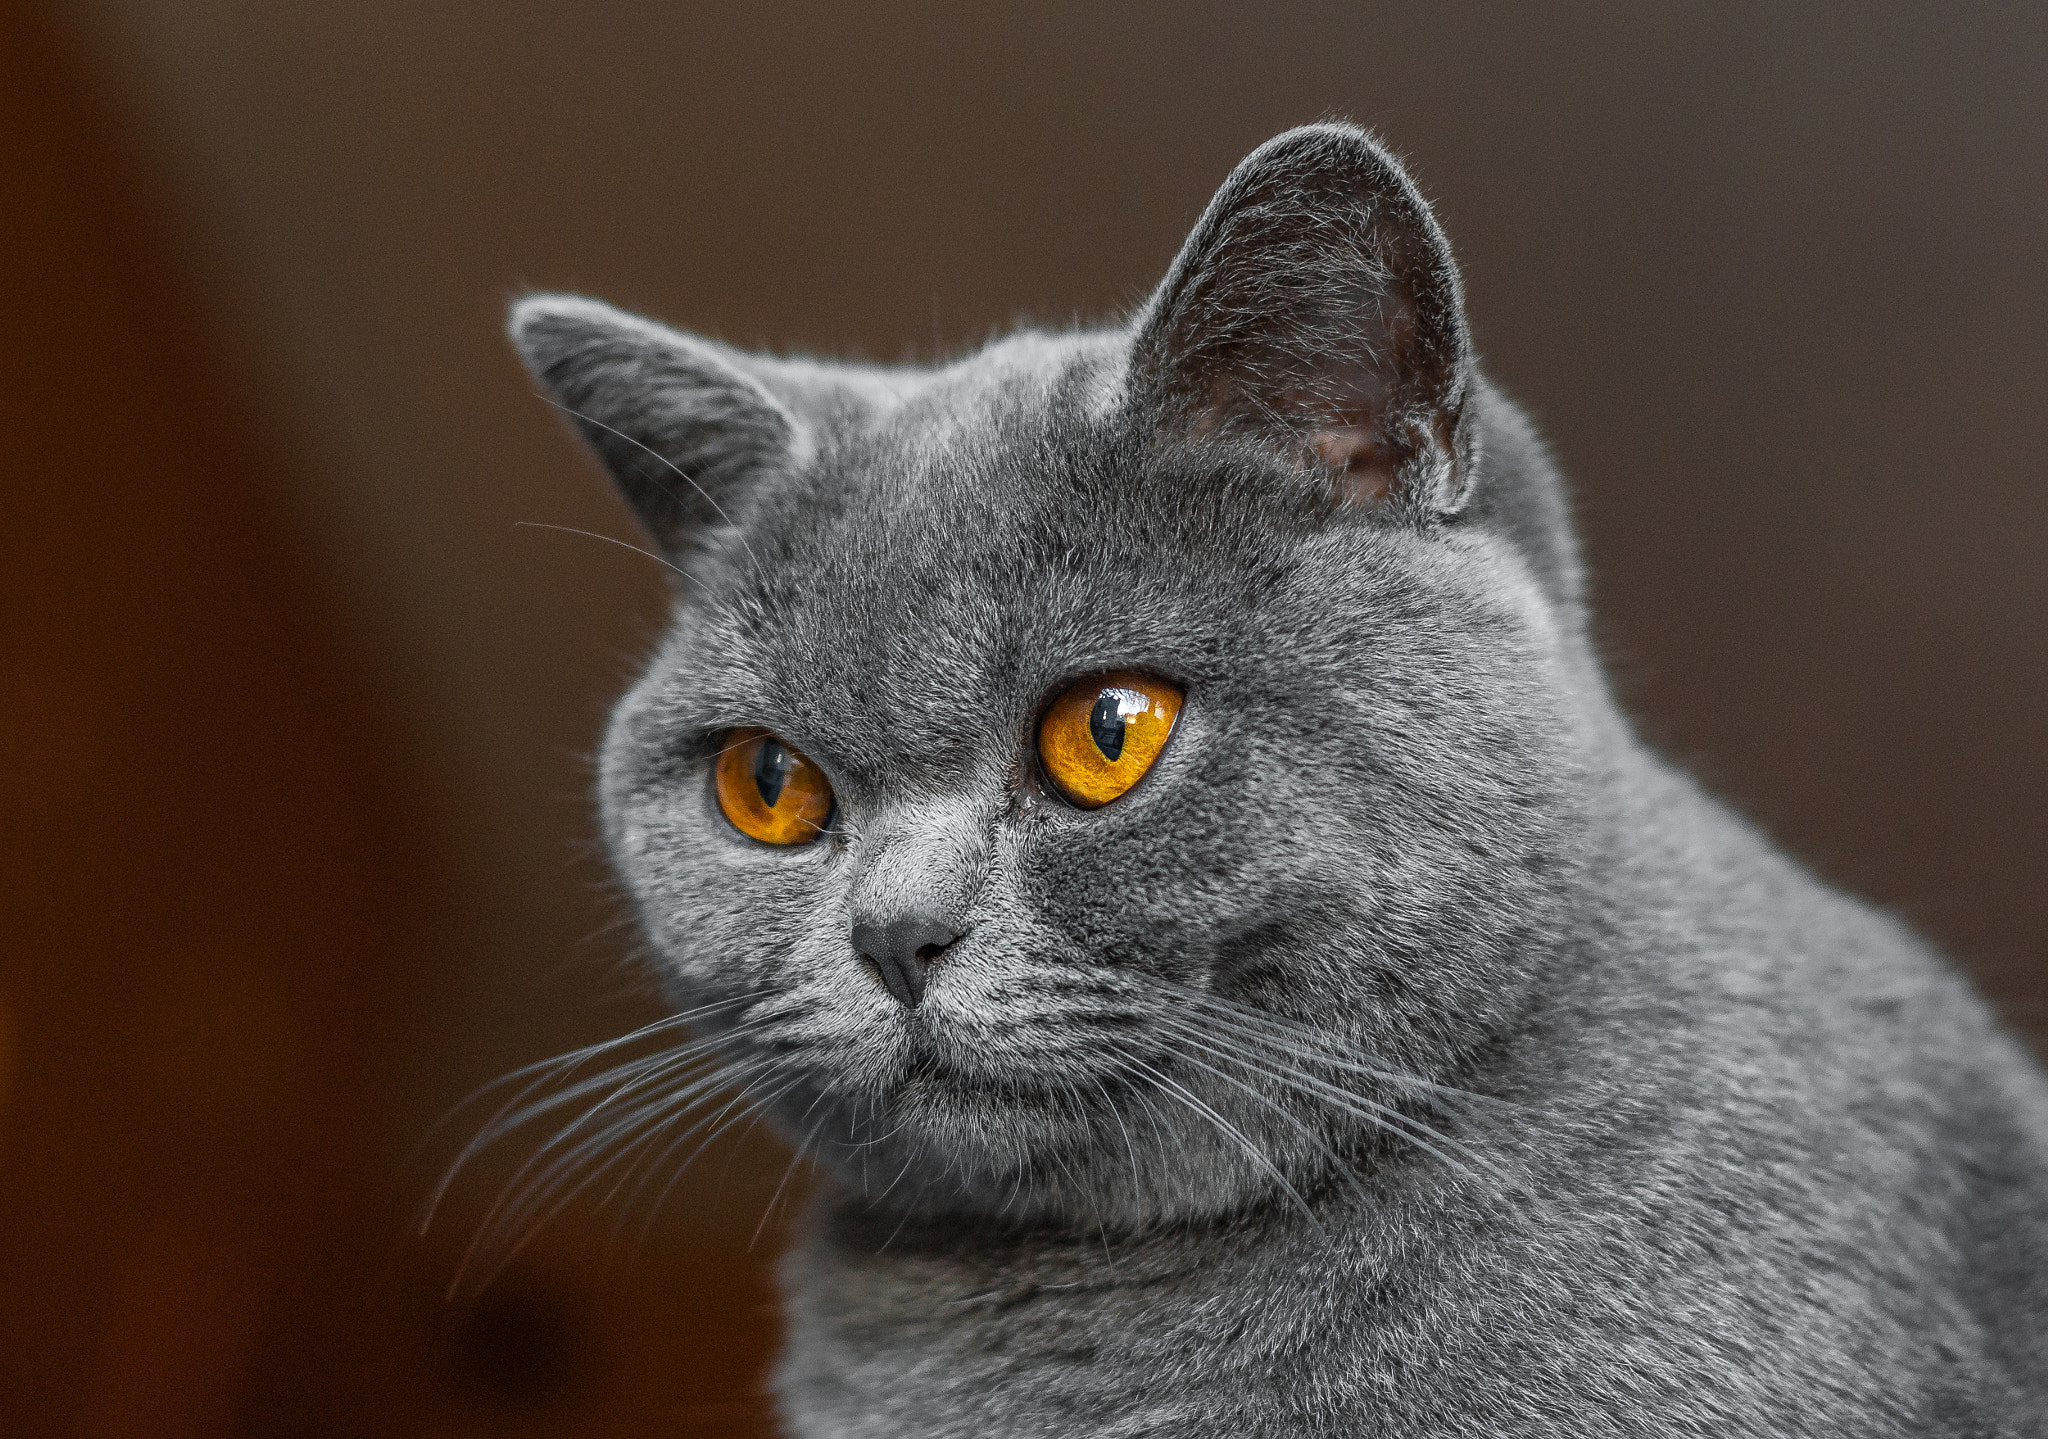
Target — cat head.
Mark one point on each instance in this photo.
(1106, 775)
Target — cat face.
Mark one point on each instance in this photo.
(964, 957)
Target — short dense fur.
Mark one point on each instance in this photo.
(1411, 1052)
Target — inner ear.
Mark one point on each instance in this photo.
(1316, 307)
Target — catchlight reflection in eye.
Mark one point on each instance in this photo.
(1101, 735)
(769, 790)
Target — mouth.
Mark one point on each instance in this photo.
(927, 1074)
(930, 1088)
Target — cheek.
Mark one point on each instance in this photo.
(1154, 880)
(721, 910)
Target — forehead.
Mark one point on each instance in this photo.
(931, 578)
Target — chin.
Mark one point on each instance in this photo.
(971, 1141)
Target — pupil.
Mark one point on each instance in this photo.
(1106, 723)
(773, 765)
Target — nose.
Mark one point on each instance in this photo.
(902, 950)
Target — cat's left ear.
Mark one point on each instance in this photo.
(1316, 308)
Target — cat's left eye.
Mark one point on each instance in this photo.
(1101, 735)
(769, 790)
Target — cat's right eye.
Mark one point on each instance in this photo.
(769, 790)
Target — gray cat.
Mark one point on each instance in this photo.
(1142, 808)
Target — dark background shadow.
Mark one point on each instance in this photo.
(297, 852)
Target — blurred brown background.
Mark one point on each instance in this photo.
(297, 849)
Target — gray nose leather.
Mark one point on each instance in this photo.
(902, 950)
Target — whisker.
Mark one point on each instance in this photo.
(905, 1219)
(733, 1082)
(1276, 1027)
(768, 1069)
(522, 1197)
(788, 1170)
(542, 1072)
(731, 528)
(622, 1083)
(552, 1191)
(594, 535)
(1340, 1165)
(567, 1063)
(617, 1081)
(1292, 1059)
(1257, 1155)
(620, 1141)
(1137, 1180)
(512, 1215)
(1379, 1115)
(716, 1082)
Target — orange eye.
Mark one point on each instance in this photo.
(769, 791)
(1100, 737)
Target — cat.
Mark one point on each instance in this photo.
(1141, 808)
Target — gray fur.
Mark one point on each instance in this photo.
(1746, 1158)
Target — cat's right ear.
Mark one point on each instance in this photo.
(679, 422)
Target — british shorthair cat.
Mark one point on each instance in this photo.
(1140, 808)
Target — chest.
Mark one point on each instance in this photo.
(1299, 1337)
(1064, 1342)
